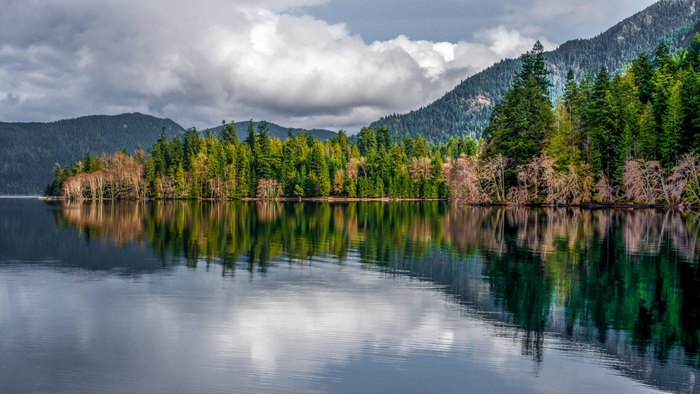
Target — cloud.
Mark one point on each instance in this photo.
(569, 19)
(217, 60)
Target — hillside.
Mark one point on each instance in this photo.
(466, 109)
(278, 131)
(29, 151)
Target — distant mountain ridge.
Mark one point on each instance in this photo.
(30, 150)
(466, 109)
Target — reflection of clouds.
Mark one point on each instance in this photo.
(287, 331)
(316, 326)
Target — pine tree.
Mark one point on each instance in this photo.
(643, 71)
(520, 124)
(383, 138)
(229, 134)
(180, 184)
(263, 164)
(690, 101)
(367, 143)
(319, 182)
(243, 172)
(662, 56)
(648, 143)
(564, 144)
(672, 128)
(191, 147)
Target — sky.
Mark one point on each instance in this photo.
(336, 64)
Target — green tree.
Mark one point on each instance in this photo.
(229, 134)
(648, 144)
(524, 119)
(318, 171)
(191, 147)
(367, 142)
(643, 71)
(672, 128)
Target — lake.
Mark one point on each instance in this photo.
(182, 297)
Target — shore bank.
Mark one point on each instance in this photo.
(622, 205)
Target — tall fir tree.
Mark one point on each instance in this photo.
(522, 122)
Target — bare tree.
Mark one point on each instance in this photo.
(641, 181)
(605, 193)
(493, 177)
(463, 180)
(420, 168)
(339, 182)
(685, 180)
(357, 167)
(564, 187)
(121, 177)
(269, 189)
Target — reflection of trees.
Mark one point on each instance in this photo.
(632, 271)
(587, 271)
(261, 232)
(119, 223)
(607, 269)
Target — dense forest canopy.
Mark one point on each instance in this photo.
(629, 137)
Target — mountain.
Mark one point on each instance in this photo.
(466, 109)
(278, 131)
(29, 151)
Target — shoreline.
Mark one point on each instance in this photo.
(591, 206)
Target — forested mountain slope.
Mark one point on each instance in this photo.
(29, 151)
(466, 109)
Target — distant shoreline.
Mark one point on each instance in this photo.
(23, 197)
(591, 206)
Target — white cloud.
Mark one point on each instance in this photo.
(200, 63)
(507, 42)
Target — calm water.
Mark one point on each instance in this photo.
(348, 298)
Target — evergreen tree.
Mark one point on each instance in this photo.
(383, 138)
(229, 134)
(600, 123)
(662, 56)
(244, 177)
(643, 71)
(367, 143)
(524, 119)
(191, 147)
(690, 101)
(318, 171)
(648, 143)
(263, 163)
(672, 128)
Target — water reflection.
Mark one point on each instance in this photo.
(624, 282)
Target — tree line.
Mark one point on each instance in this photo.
(221, 166)
(629, 137)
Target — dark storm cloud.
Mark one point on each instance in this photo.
(217, 59)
